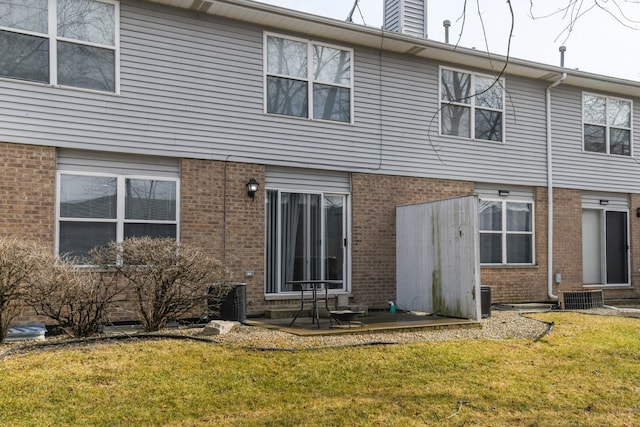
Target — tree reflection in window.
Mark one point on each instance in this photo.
(289, 74)
(607, 124)
(84, 32)
(468, 113)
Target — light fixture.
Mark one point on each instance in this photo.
(503, 193)
(638, 212)
(252, 187)
(604, 202)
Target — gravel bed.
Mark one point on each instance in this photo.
(507, 324)
(501, 325)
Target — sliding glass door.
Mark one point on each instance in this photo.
(305, 238)
(605, 256)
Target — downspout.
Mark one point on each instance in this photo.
(550, 192)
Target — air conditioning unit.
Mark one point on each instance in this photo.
(581, 300)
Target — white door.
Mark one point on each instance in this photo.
(591, 247)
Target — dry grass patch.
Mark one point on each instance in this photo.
(584, 373)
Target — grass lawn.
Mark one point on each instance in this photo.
(587, 372)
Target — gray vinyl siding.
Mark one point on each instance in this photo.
(615, 201)
(490, 191)
(116, 163)
(192, 86)
(293, 179)
(412, 144)
(573, 168)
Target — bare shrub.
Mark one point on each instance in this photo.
(20, 263)
(75, 297)
(167, 278)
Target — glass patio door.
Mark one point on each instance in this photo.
(305, 238)
(605, 257)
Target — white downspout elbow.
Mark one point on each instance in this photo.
(550, 192)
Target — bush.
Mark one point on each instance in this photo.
(20, 264)
(75, 297)
(168, 278)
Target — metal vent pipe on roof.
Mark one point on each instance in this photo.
(446, 24)
(562, 50)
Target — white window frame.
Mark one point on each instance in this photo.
(471, 105)
(309, 79)
(607, 126)
(120, 219)
(53, 38)
(346, 221)
(504, 232)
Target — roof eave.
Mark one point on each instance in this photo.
(313, 26)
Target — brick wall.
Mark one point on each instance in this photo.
(27, 192)
(27, 198)
(219, 216)
(567, 238)
(374, 201)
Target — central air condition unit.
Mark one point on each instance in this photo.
(581, 300)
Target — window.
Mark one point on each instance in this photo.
(607, 124)
(471, 106)
(506, 232)
(96, 209)
(306, 239)
(60, 42)
(308, 79)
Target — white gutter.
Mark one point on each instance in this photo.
(550, 192)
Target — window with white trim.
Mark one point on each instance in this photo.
(94, 209)
(471, 105)
(606, 124)
(60, 42)
(506, 232)
(308, 79)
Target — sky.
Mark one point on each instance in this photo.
(598, 42)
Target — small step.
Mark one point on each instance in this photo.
(284, 313)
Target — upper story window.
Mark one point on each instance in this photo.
(607, 124)
(308, 79)
(60, 42)
(471, 105)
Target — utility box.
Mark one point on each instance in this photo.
(485, 301)
(234, 304)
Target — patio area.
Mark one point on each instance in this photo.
(374, 321)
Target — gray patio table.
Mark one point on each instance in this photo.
(313, 286)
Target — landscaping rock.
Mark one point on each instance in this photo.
(219, 327)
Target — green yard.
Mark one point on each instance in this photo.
(587, 372)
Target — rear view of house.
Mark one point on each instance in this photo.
(149, 118)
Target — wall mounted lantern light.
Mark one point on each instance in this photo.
(604, 202)
(252, 187)
(503, 193)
